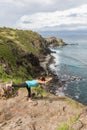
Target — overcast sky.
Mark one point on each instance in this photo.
(44, 14)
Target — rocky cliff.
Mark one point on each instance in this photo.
(20, 51)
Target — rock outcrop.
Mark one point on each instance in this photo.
(54, 42)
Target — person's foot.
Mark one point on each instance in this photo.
(29, 99)
(9, 84)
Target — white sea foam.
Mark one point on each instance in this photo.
(56, 59)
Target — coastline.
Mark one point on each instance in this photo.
(56, 87)
(56, 83)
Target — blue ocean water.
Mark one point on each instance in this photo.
(71, 63)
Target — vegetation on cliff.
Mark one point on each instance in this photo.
(20, 51)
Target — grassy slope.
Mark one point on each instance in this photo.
(13, 45)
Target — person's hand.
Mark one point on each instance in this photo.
(48, 79)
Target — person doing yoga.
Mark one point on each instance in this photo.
(32, 83)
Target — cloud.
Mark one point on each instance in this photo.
(43, 5)
(39, 14)
(75, 18)
(12, 10)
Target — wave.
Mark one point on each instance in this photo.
(56, 56)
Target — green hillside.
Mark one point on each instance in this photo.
(19, 53)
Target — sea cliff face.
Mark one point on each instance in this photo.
(20, 51)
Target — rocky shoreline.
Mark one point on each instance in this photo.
(56, 83)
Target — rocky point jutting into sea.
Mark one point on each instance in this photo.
(47, 112)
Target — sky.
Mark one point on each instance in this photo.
(42, 15)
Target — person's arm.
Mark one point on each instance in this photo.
(46, 81)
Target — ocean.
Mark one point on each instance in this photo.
(71, 63)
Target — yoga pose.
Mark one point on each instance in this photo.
(32, 83)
